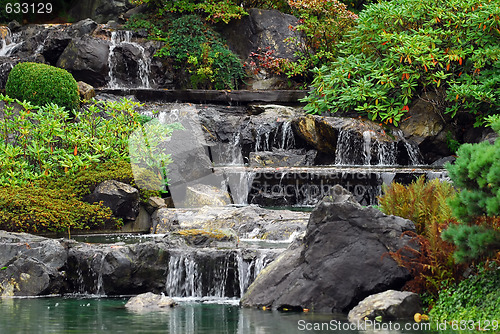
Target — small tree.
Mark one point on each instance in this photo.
(477, 173)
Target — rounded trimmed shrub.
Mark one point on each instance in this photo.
(41, 84)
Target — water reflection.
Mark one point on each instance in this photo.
(90, 315)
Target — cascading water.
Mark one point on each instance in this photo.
(368, 150)
(277, 137)
(9, 42)
(208, 274)
(122, 37)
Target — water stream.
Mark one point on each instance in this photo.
(9, 42)
(121, 38)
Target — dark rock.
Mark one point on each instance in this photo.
(441, 162)
(87, 59)
(343, 259)
(100, 11)
(14, 26)
(31, 265)
(423, 120)
(122, 198)
(83, 27)
(261, 29)
(282, 159)
(390, 305)
(149, 302)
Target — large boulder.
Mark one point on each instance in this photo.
(261, 29)
(343, 258)
(390, 305)
(99, 10)
(121, 198)
(31, 265)
(87, 59)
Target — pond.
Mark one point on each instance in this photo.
(221, 316)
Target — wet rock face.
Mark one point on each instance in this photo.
(30, 265)
(87, 60)
(343, 259)
(261, 29)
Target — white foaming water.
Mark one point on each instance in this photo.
(121, 37)
(9, 42)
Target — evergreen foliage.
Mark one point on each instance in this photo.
(477, 173)
(43, 84)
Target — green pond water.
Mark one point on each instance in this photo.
(108, 315)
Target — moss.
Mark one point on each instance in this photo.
(41, 210)
(42, 84)
(202, 236)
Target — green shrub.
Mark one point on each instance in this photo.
(213, 10)
(198, 50)
(41, 210)
(43, 142)
(403, 48)
(477, 173)
(43, 84)
(474, 299)
(323, 25)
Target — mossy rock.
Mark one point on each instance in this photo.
(202, 238)
(42, 84)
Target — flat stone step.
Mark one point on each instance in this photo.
(211, 96)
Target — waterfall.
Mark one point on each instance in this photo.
(240, 185)
(183, 277)
(345, 148)
(201, 274)
(214, 274)
(249, 270)
(367, 146)
(121, 37)
(387, 153)
(9, 42)
(287, 137)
